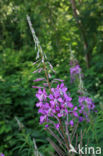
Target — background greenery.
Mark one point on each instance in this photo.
(58, 31)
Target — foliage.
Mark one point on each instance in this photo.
(59, 33)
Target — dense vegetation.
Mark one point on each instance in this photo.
(60, 29)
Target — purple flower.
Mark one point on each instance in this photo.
(86, 102)
(46, 126)
(62, 89)
(39, 79)
(42, 119)
(37, 71)
(70, 105)
(41, 94)
(45, 84)
(71, 122)
(1, 154)
(75, 114)
(57, 126)
(57, 104)
(86, 105)
(74, 71)
(81, 119)
(39, 104)
(60, 114)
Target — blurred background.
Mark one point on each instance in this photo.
(59, 28)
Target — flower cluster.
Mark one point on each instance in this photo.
(56, 105)
(86, 105)
(74, 71)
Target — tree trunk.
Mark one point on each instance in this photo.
(81, 28)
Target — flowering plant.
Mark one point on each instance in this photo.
(57, 111)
